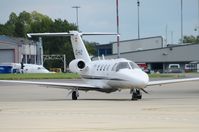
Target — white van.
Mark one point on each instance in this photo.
(174, 68)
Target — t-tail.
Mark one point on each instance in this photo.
(79, 48)
(78, 45)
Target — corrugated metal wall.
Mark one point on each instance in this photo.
(6, 56)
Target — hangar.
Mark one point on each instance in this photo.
(13, 50)
(157, 55)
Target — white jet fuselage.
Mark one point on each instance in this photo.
(114, 74)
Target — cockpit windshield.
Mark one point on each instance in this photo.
(133, 65)
(122, 65)
(126, 65)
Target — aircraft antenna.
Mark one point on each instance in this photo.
(103, 57)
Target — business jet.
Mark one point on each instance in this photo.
(101, 75)
(31, 68)
(25, 68)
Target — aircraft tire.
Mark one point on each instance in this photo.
(74, 95)
(138, 94)
(134, 96)
(139, 97)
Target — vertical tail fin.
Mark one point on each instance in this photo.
(79, 48)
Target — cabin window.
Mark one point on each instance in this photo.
(98, 67)
(107, 68)
(101, 68)
(104, 69)
(122, 65)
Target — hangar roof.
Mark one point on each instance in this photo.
(14, 40)
(4, 38)
(178, 53)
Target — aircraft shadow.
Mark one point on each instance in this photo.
(85, 100)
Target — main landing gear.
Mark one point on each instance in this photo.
(136, 94)
(75, 94)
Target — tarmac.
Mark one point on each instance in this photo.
(30, 108)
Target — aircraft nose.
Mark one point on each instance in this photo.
(136, 78)
(141, 79)
(144, 79)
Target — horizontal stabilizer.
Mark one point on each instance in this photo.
(71, 33)
(97, 33)
(49, 34)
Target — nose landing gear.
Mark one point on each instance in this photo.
(136, 94)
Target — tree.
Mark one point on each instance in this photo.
(2, 29)
(40, 23)
(91, 47)
(12, 19)
(19, 26)
(25, 19)
(191, 39)
(19, 29)
(9, 27)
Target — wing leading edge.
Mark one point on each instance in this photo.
(54, 84)
(162, 82)
(92, 87)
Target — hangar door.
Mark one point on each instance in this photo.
(157, 67)
(6, 56)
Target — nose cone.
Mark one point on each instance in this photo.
(141, 79)
(137, 78)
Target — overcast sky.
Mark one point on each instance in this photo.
(100, 16)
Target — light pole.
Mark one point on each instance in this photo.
(171, 37)
(138, 8)
(77, 20)
(166, 33)
(181, 21)
(198, 19)
(118, 33)
(197, 26)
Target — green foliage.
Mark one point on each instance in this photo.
(19, 29)
(166, 75)
(25, 22)
(91, 47)
(191, 39)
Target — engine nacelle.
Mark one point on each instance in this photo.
(77, 65)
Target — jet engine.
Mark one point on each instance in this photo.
(77, 65)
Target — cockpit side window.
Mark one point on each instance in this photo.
(133, 65)
(114, 66)
(122, 65)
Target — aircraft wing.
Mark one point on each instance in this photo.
(162, 82)
(80, 86)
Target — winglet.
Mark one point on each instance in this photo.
(29, 36)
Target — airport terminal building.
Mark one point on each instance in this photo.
(156, 54)
(13, 50)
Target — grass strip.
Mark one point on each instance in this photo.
(68, 76)
(39, 76)
(166, 75)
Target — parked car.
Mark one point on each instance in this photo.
(174, 68)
